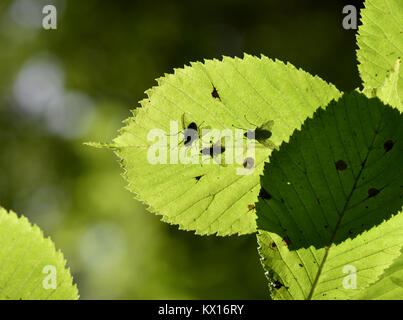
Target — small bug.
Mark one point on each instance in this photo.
(191, 131)
(262, 133)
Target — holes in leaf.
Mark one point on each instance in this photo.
(372, 192)
(277, 284)
(215, 94)
(340, 165)
(264, 194)
(388, 145)
(198, 177)
(273, 245)
(249, 163)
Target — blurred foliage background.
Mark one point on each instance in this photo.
(60, 88)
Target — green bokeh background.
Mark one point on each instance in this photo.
(60, 88)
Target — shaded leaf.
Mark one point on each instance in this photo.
(335, 194)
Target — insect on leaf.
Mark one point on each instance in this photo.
(217, 203)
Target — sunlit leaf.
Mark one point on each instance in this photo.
(30, 266)
(234, 93)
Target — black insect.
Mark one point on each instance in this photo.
(213, 150)
(191, 131)
(262, 133)
(190, 134)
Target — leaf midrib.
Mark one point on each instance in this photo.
(336, 229)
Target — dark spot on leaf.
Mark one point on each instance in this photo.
(277, 284)
(251, 207)
(213, 151)
(301, 265)
(372, 192)
(249, 163)
(388, 145)
(340, 165)
(215, 94)
(264, 194)
(273, 245)
(198, 178)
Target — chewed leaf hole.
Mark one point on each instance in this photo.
(277, 284)
(340, 165)
(215, 94)
(388, 145)
(372, 192)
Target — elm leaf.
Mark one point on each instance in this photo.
(332, 201)
(250, 93)
(30, 266)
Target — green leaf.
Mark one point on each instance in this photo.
(30, 266)
(380, 41)
(389, 286)
(223, 95)
(388, 92)
(330, 201)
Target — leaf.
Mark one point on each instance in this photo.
(212, 198)
(28, 262)
(331, 198)
(388, 92)
(380, 41)
(389, 286)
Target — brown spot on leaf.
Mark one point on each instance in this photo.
(251, 207)
(286, 241)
